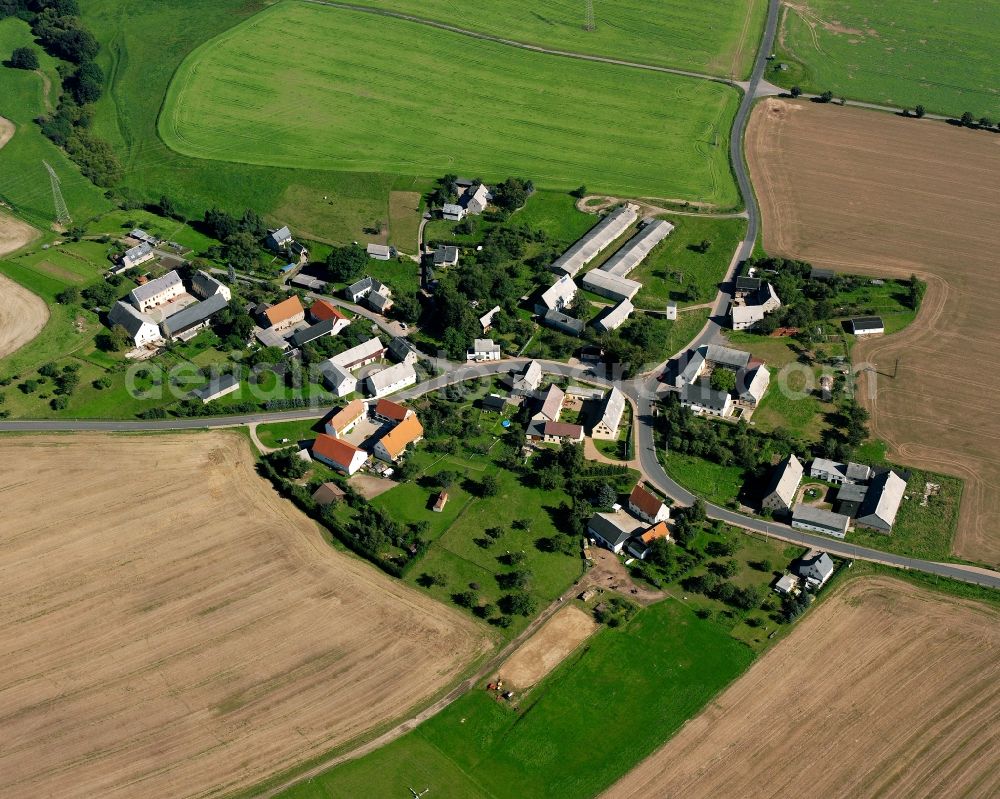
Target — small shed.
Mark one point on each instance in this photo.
(328, 493)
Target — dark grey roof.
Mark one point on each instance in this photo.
(446, 255)
(313, 332)
(193, 315)
(821, 274)
(867, 323)
(702, 393)
(128, 317)
(851, 492)
(563, 322)
(835, 522)
(215, 385)
(400, 347)
(744, 283)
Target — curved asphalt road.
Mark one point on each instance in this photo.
(642, 391)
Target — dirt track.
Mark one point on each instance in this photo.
(172, 628)
(885, 690)
(869, 192)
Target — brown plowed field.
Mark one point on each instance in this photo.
(547, 648)
(171, 628)
(885, 690)
(864, 191)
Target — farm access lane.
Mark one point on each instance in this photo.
(643, 396)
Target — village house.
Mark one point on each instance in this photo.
(712, 356)
(596, 240)
(278, 239)
(392, 378)
(613, 530)
(475, 199)
(701, 398)
(787, 585)
(648, 506)
(639, 545)
(186, 323)
(140, 235)
(554, 432)
(360, 355)
(376, 295)
(137, 255)
(606, 427)
(380, 252)
(217, 387)
(323, 311)
(282, 315)
(483, 349)
(156, 292)
(446, 255)
(751, 385)
(527, 382)
(614, 317)
(486, 320)
(393, 444)
(440, 502)
(552, 402)
(453, 212)
(849, 498)
(338, 454)
(390, 412)
(337, 378)
(815, 568)
(340, 422)
(203, 286)
(818, 520)
(557, 296)
(834, 472)
(881, 503)
(140, 327)
(753, 299)
(781, 491)
(328, 493)
(402, 351)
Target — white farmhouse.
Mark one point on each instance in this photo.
(140, 327)
(392, 378)
(157, 291)
(483, 349)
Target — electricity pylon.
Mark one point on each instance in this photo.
(588, 22)
(62, 212)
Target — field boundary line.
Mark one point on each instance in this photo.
(489, 37)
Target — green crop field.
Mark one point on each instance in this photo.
(590, 721)
(897, 52)
(24, 183)
(309, 87)
(718, 38)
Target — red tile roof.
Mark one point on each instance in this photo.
(322, 310)
(645, 502)
(390, 410)
(562, 429)
(658, 530)
(334, 450)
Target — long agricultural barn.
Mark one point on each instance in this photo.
(608, 285)
(635, 250)
(595, 240)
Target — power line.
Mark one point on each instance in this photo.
(62, 212)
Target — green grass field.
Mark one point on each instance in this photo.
(24, 183)
(897, 52)
(608, 706)
(673, 269)
(385, 95)
(719, 39)
(716, 483)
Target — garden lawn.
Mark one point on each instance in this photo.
(675, 271)
(24, 183)
(480, 747)
(382, 97)
(270, 435)
(718, 484)
(719, 39)
(897, 52)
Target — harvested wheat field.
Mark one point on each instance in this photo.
(548, 647)
(885, 690)
(171, 627)
(22, 314)
(863, 191)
